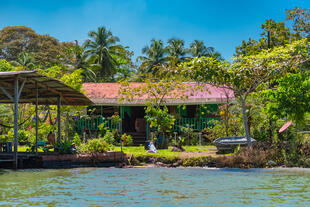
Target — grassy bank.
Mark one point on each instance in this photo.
(167, 153)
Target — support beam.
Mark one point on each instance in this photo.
(15, 122)
(21, 87)
(7, 93)
(37, 114)
(58, 119)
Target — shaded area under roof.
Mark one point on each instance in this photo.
(48, 89)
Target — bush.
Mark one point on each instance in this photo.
(127, 139)
(77, 140)
(22, 136)
(65, 147)
(97, 145)
(109, 137)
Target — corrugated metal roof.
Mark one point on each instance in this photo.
(108, 94)
(49, 89)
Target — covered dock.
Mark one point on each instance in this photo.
(31, 87)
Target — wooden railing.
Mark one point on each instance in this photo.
(83, 124)
(195, 124)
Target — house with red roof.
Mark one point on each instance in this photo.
(197, 110)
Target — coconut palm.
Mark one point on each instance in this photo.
(198, 49)
(176, 51)
(104, 50)
(155, 56)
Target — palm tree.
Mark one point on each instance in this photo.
(198, 49)
(104, 50)
(88, 64)
(24, 59)
(155, 55)
(176, 51)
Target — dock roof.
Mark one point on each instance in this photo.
(48, 89)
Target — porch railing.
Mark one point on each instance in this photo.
(83, 124)
(195, 124)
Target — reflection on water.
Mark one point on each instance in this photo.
(155, 187)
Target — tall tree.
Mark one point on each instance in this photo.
(277, 33)
(103, 48)
(155, 56)
(176, 51)
(17, 39)
(248, 74)
(300, 19)
(291, 98)
(250, 47)
(198, 49)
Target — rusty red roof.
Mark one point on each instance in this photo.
(108, 94)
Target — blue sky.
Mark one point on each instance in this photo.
(222, 24)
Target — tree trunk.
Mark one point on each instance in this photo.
(247, 134)
(296, 129)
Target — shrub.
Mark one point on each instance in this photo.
(109, 137)
(77, 140)
(65, 147)
(22, 136)
(127, 140)
(97, 145)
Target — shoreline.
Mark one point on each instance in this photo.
(122, 160)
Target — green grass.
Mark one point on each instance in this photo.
(140, 151)
(197, 148)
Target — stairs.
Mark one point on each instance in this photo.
(138, 138)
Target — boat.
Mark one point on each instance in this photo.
(228, 144)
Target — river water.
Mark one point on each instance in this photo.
(155, 187)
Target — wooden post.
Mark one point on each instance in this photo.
(175, 138)
(37, 118)
(58, 119)
(199, 135)
(15, 122)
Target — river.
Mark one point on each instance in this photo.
(155, 187)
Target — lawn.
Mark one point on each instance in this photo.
(140, 151)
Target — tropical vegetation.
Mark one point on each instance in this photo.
(269, 77)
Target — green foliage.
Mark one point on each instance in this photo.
(291, 98)
(196, 161)
(115, 119)
(24, 60)
(300, 19)
(14, 40)
(6, 66)
(127, 139)
(77, 140)
(216, 130)
(190, 137)
(109, 137)
(22, 136)
(102, 48)
(155, 56)
(97, 145)
(159, 118)
(198, 49)
(65, 147)
(247, 74)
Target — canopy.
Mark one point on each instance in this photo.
(49, 89)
